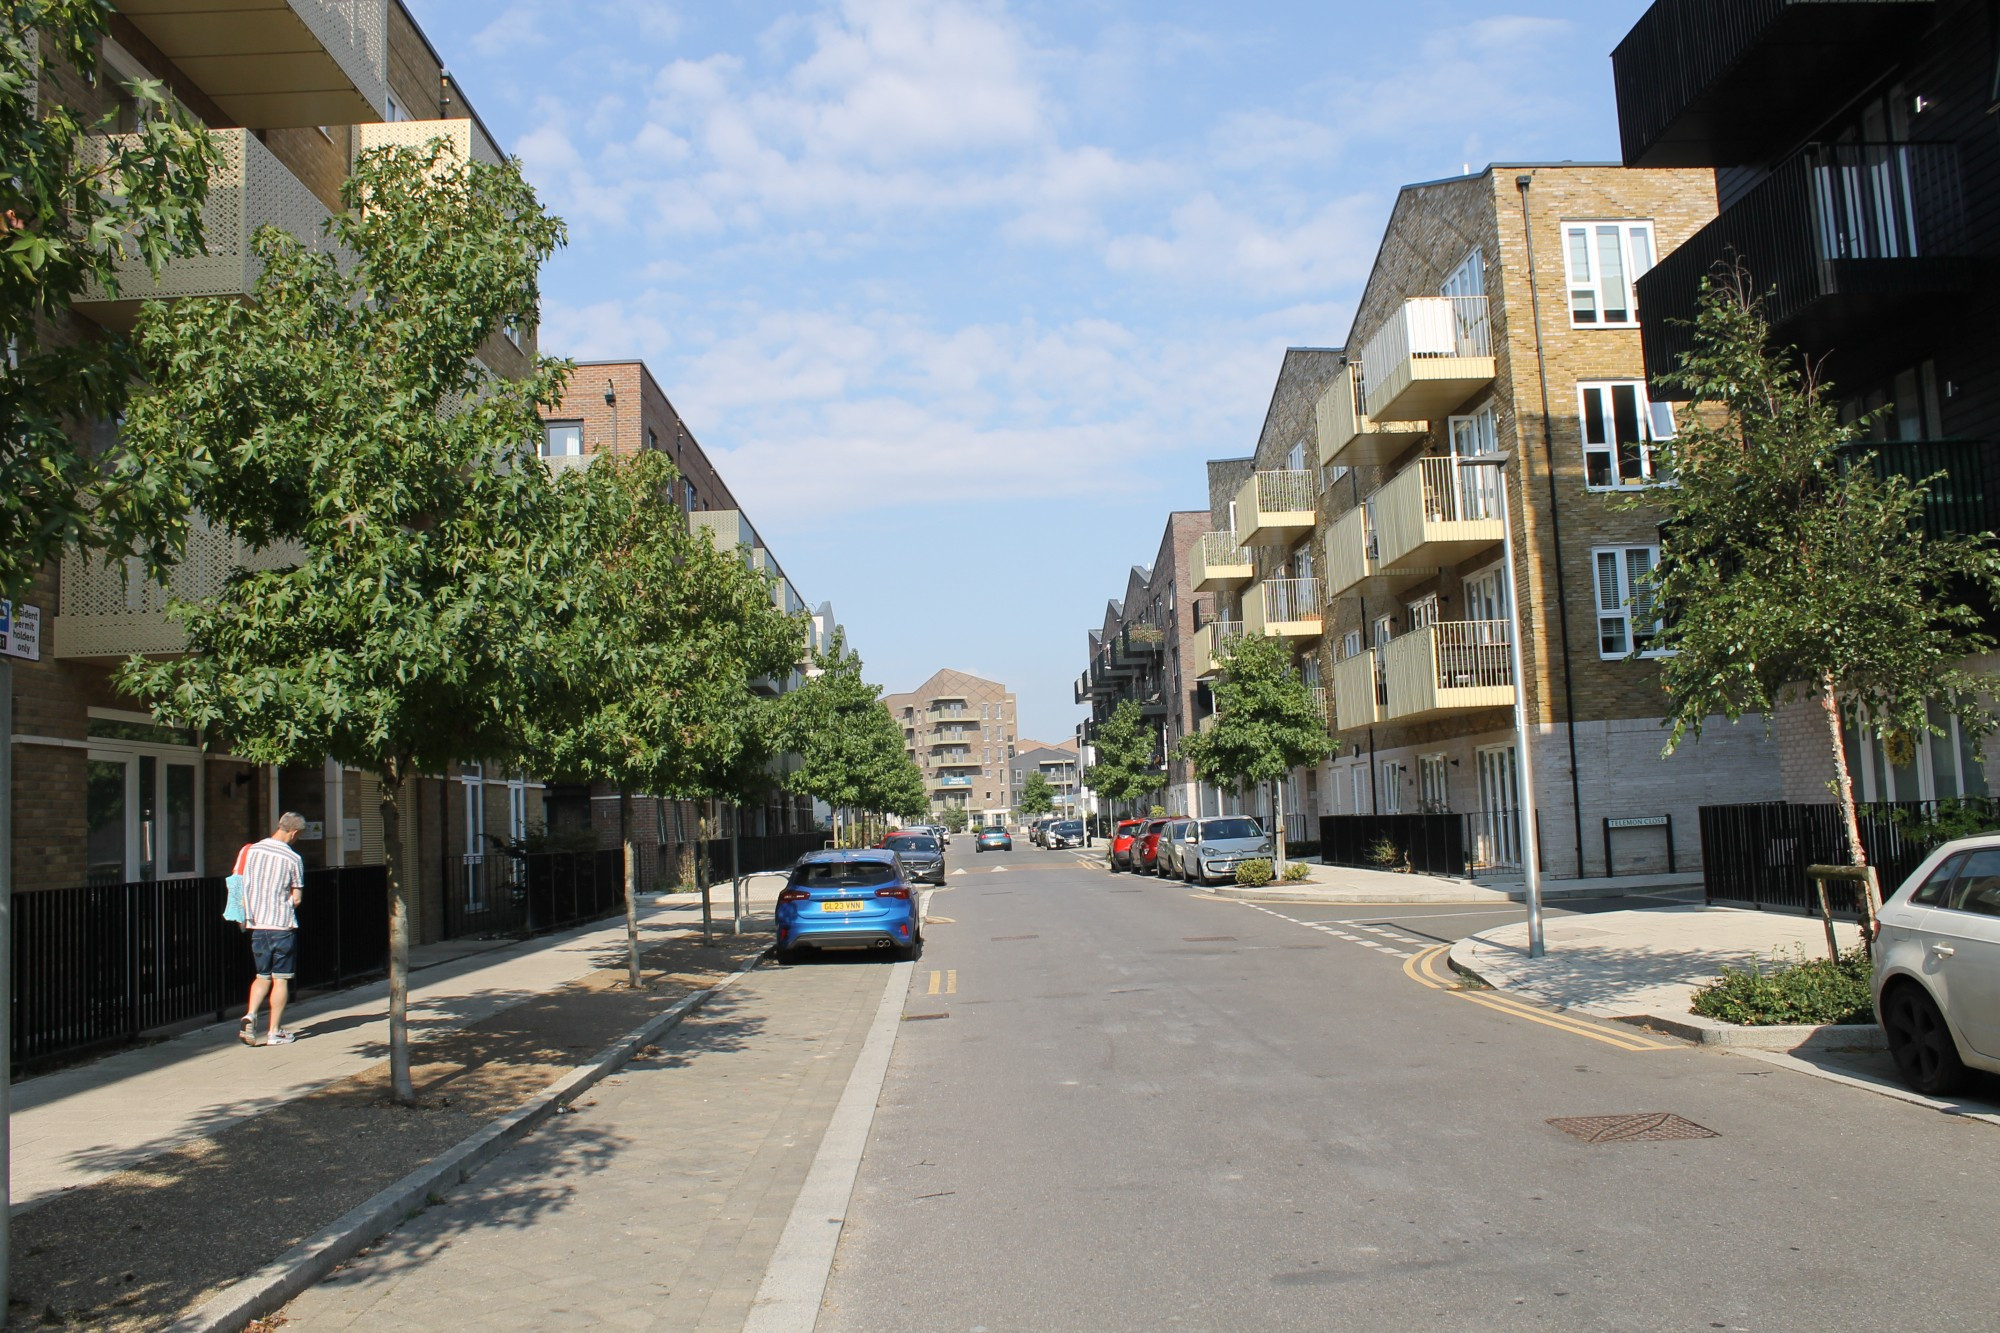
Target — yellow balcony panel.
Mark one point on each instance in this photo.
(1276, 508)
(1433, 354)
(115, 610)
(1284, 609)
(274, 63)
(250, 189)
(464, 136)
(1358, 691)
(1449, 667)
(1217, 563)
(1436, 513)
(1353, 570)
(1348, 436)
(1211, 647)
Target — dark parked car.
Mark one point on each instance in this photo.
(1120, 855)
(922, 855)
(1064, 833)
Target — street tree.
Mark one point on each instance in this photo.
(1793, 568)
(953, 819)
(412, 590)
(1125, 769)
(75, 201)
(1267, 723)
(1038, 796)
(655, 666)
(850, 750)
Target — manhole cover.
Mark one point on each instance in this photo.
(1627, 1128)
(919, 1018)
(1206, 939)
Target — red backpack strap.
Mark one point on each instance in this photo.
(242, 855)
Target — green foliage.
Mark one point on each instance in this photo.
(1267, 722)
(1038, 796)
(1385, 853)
(1256, 873)
(1793, 570)
(1125, 745)
(850, 750)
(1296, 871)
(1819, 990)
(953, 818)
(1951, 819)
(71, 202)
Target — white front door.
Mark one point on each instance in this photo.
(142, 814)
(474, 788)
(1496, 828)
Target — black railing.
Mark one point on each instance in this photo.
(1708, 83)
(1758, 854)
(1444, 843)
(1961, 491)
(1836, 232)
(98, 965)
(773, 851)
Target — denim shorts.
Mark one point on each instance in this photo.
(274, 951)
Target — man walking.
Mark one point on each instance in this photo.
(274, 878)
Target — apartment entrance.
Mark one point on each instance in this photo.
(142, 814)
(1496, 829)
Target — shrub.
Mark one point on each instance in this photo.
(1254, 873)
(1385, 853)
(1296, 871)
(1819, 990)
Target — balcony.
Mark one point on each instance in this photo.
(1322, 700)
(1211, 647)
(1348, 436)
(725, 527)
(1960, 497)
(250, 189)
(1718, 83)
(1274, 508)
(1284, 609)
(1449, 667)
(1433, 354)
(115, 610)
(1218, 562)
(1353, 566)
(1844, 240)
(276, 63)
(1436, 513)
(466, 137)
(1359, 691)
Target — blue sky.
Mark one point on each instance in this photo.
(961, 293)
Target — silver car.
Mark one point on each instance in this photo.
(1172, 862)
(1211, 849)
(1937, 966)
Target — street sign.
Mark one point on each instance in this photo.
(21, 630)
(1638, 821)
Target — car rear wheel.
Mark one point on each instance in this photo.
(1926, 1057)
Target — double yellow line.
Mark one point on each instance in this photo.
(1423, 969)
(944, 983)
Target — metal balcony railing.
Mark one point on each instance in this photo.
(1959, 498)
(1426, 327)
(1291, 600)
(1286, 492)
(1452, 664)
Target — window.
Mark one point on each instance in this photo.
(1602, 261)
(563, 439)
(1486, 595)
(1433, 771)
(1936, 888)
(1977, 889)
(511, 327)
(1385, 629)
(652, 439)
(1423, 612)
(1295, 461)
(1921, 768)
(1627, 619)
(1350, 644)
(1468, 279)
(1476, 436)
(1620, 429)
(392, 110)
(1392, 790)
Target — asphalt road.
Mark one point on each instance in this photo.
(1117, 1105)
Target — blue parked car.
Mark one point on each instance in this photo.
(994, 840)
(855, 898)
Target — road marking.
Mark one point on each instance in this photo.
(999, 870)
(1422, 969)
(951, 981)
(1325, 929)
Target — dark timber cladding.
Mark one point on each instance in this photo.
(1718, 82)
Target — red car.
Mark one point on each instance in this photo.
(1146, 846)
(1121, 843)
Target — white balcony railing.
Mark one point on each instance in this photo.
(1286, 492)
(1288, 601)
(1452, 664)
(1434, 512)
(1427, 328)
(1220, 561)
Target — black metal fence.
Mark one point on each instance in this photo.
(535, 892)
(1758, 854)
(1434, 844)
(774, 851)
(99, 964)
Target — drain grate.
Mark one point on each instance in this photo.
(1632, 1127)
(1207, 939)
(918, 1018)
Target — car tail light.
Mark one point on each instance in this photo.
(897, 892)
(793, 895)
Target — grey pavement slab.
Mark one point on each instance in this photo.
(658, 1203)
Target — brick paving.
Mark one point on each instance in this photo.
(658, 1204)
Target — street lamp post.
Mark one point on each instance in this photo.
(1531, 845)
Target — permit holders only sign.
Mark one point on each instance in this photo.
(21, 630)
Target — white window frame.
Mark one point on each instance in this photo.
(1434, 783)
(1655, 423)
(1392, 794)
(550, 428)
(1614, 605)
(1636, 260)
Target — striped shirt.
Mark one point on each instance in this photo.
(271, 870)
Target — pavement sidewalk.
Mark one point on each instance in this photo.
(1353, 884)
(86, 1123)
(1647, 963)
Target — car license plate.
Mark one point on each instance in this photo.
(841, 905)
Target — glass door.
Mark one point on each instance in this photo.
(106, 809)
(1496, 829)
(141, 816)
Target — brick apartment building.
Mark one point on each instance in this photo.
(960, 730)
(1494, 294)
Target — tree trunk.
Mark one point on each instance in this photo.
(1278, 824)
(1843, 795)
(400, 1085)
(701, 873)
(632, 975)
